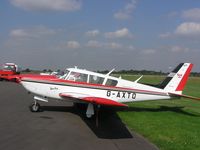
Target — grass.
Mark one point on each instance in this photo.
(169, 124)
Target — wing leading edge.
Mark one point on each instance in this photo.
(92, 99)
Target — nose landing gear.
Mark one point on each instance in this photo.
(35, 107)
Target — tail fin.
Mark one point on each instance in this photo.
(176, 80)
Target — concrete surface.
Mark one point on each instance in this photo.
(59, 126)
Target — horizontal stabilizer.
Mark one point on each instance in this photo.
(185, 96)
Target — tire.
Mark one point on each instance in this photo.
(35, 107)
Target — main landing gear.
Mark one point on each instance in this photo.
(35, 107)
(90, 112)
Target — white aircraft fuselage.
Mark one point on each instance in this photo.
(82, 86)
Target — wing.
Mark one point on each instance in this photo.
(92, 99)
(185, 96)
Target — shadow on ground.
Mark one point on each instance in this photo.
(176, 109)
(110, 126)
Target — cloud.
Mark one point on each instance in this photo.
(92, 33)
(36, 32)
(107, 45)
(173, 14)
(121, 33)
(131, 47)
(94, 44)
(188, 29)
(126, 12)
(179, 49)
(148, 51)
(73, 44)
(21, 33)
(48, 5)
(165, 35)
(113, 45)
(192, 14)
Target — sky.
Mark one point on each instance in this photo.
(100, 34)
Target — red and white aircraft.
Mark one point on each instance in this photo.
(82, 86)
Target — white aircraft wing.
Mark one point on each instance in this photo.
(92, 99)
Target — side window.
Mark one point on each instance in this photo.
(111, 82)
(96, 80)
(76, 76)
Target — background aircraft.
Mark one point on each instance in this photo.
(8, 69)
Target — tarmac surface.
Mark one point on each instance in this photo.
(59, 126)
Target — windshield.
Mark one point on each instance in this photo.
(65, 74)
(9, 67)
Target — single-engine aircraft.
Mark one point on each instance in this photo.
(95, 89)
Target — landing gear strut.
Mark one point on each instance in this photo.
(90, 112)
(35, 107)
(97, 115)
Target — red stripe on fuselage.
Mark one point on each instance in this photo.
(89, 85)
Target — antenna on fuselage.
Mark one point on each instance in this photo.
(138, 79)
(110, 72)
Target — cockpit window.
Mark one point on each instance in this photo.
(76, 76)
(111, 82)
(9, 67)
(66, 72)
(96, 79)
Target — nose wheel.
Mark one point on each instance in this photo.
(35, 107)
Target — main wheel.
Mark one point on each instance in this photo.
(35, 107)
